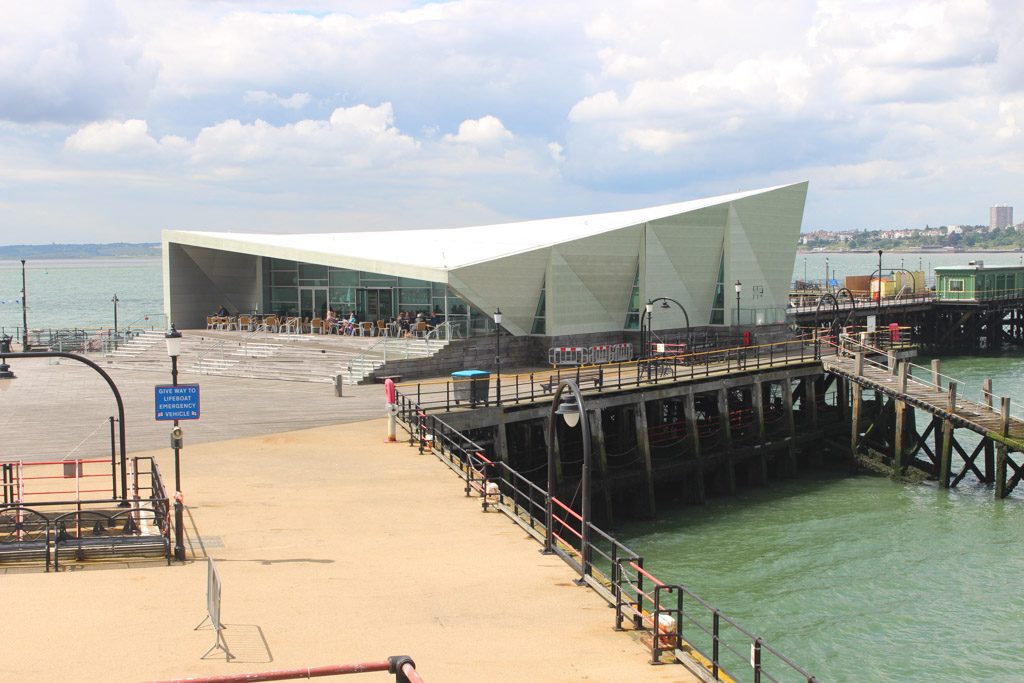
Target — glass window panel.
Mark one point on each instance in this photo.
(419, 296)
(281, 264)
(312, 282)
(342, 295)
(283, 278)
(412, 282)
(376, 279)
(343, 276)
(284, 294)
(312, 271)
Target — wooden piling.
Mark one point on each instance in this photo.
(597, 441)
(690, 407)
(1001, 449)
(946, 455)
(726, 426)
(901, 409)
(787, 402)
(644, 445)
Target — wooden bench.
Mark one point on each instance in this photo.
(593, 375)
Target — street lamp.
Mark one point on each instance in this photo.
(571, 409)
(114, 301)
(739, 288)
(826, 274)
(645, 332)
(173, 339)
(878, 307)
(24, 311)
(497, 353)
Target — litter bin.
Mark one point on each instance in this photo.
(471, 386)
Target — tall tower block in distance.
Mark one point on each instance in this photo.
(1000, 216)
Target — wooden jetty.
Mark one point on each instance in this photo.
(889, 428)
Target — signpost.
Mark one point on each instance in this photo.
(177, 402)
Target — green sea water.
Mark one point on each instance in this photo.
(861, 578)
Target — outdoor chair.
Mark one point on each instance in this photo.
(245, 322)
(316, 325)
(291, 324)
(211, 322)
(382, 329)
(420, 329)
(270, 324)
(366, 329)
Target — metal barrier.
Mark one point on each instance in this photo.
(611, 569)
(536, 386)
(401, 666)
(213, 587)
(568, 355)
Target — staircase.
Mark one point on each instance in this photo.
(262, 355)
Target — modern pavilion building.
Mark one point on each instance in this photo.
(554, 277)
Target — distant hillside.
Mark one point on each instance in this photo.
(56, 251)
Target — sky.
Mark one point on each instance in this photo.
(121, 118)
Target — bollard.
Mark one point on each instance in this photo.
(337, 385)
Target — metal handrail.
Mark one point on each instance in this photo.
(619, 573)
(447, 394)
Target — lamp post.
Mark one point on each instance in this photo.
(826, 274)
(114, 301)
(878, 307)
(739, 288)
(173, 339)
(497, 354)
(664, 306)
(24, 311)
(645, 332)
(571, 409)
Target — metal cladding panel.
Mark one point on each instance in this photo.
(201, 280)
(682, 260)
(512, 284)
(762, 243)
(592, 280)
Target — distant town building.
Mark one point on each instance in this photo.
(1000, 216)
(955, 230)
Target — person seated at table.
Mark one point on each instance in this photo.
(222, 312)
(350, 324)
(331, 321)
(403, 324)
(435, 319)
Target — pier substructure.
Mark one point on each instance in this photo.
(989, 445)
(675, 442)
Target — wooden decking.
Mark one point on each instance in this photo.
(978, 417)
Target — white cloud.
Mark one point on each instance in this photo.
(113, 137)
(295, 101)
(487, 131)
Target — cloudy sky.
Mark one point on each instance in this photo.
(119, 118)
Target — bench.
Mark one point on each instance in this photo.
(593, 375)
(111, 547)
(25, 551)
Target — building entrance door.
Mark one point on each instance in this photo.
(378, 304)
(312, 302)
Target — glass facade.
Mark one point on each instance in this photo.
(307, 290)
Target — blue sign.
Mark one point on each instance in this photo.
(180, 402)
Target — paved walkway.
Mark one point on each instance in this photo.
(333, 547)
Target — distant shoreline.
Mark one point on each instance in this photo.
(51, 252)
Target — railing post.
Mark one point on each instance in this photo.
(714, 645)
(756, 659)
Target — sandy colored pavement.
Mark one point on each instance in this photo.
(333, 547)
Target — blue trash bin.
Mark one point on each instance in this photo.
(471, 386)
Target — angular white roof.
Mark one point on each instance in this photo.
(430, 253)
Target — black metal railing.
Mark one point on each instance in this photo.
(696, 634)
(448, 394)
(46, 531)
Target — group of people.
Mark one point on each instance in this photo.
(338, 325)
